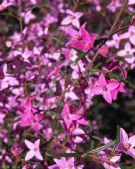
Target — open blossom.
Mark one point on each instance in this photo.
(28, 116)
(82, 40)
(126, 144)
(73, 18)
(68, 118)
(115, 42)
(128, 53)
(106, 88)
(34, 150)
(130, 34)
(64, 163)
(109, 162)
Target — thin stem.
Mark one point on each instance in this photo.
(112, 27)
(118, 17)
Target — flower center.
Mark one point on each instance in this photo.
(104, 89)
(35, 149)
(127, 146)
(79, 37)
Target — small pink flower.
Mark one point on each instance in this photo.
(115, 42)
(126, 144)
(130, 34)
(34, 150)
(72, 18)
(64, 163)
(127, 53)
(106, 88)
(81, 40)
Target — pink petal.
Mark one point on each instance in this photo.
(65, 110)
(84, 33)
(127, 46)
(107, 96)
(38, 155)
(29, 155)
(132, 141)
(131, 152)
(102, 81)
(121, 53)
(115, 158)
(78, 139)
(37, 143)
(78, 131)
(76, 23)
(132, 39)
(66, 20)
(29, 144)
(61, 162)
(113, 85)
(123, 136)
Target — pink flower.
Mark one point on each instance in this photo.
(28, 116)
(34, 150)
(68, 118)
(110, 163)
(127, 53)
(64, 163)
(130, 34)
(106, 88)
(120, 88)
(6, 79)
(115, 42)
(72, 18)
(126, 144)
(81, 40)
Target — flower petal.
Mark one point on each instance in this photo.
(38, 155)
(37, 143)
(29, 155)
(123, 136)
(29, 144)
(131, 152)
(132, 141)
(102, 80)
(107, 96)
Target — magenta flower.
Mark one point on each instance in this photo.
(28, 116)
(82, 40)
(34, 150)
(126, 144)
(106, 88)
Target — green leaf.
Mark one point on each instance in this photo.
(81, 55)
(58, 155)
(112, 143)
(127, 20)
(117, 141)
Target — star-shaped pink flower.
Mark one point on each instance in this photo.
(34, 150)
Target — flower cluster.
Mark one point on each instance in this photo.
(59, 61)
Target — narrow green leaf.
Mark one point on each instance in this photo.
(117, 141)
(58, 155)
(81, 55)
(112, 143)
